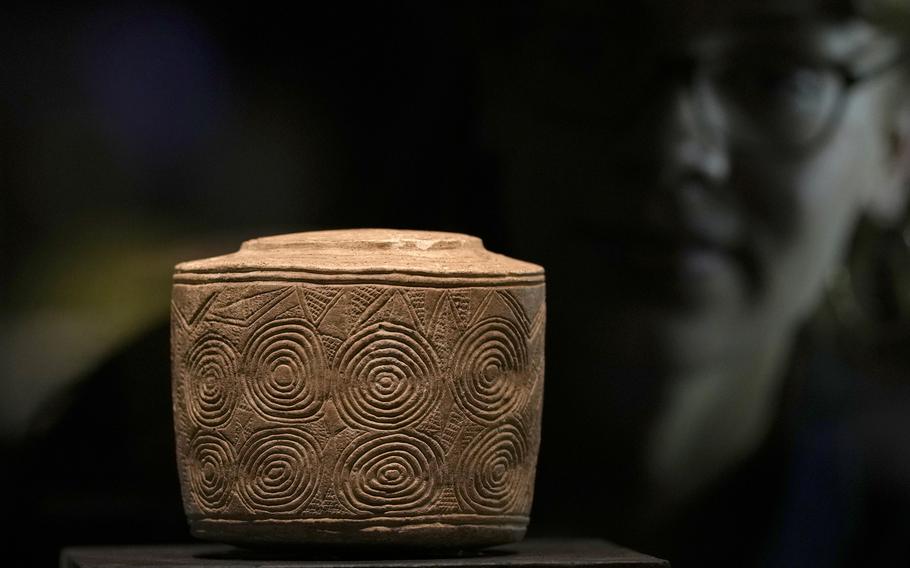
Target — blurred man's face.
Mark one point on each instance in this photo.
(700, 175)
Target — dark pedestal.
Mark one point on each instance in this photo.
(530, 553)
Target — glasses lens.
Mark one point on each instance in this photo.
(775, 100)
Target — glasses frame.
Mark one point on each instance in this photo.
(850, 78)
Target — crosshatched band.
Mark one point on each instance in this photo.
(387, 378)
(285, 371)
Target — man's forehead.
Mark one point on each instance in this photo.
(583, 27)
(685, 18)
(712, 10)
(675, 17)
(856, 17)
(830, 27)
(724, 11)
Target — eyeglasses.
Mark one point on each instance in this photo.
(784, 99)
(781, 100)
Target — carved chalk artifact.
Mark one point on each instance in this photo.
(358, 387)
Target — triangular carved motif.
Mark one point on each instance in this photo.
(461, 303)
(454, 424)
(246, 310)
(330, 344)
(444, 328)
(394, 310)
(317, 301)
(332, 420)
(192, 302)
(417, 299)
(501, 304)
(448, 502)
(330, 502)
(530, 298)
(361, 298)
(337, 321)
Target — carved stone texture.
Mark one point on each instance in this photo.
(371, 387)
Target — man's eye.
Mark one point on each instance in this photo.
(781, 88)
(774, 80)
(797, 84)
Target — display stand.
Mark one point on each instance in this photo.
(569, 553)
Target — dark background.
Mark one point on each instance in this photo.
(203, 119)
(136, 135)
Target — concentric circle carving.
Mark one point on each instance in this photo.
(490, 370)
(387, 378)
(385, 473)
(493, 470)
(285, 371)
(210, 386)
(279, 470)
(211, 469)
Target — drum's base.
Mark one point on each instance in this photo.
(527, 554)
(446, 532)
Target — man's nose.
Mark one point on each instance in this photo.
(693, 146)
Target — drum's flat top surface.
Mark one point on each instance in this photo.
(367, 251)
